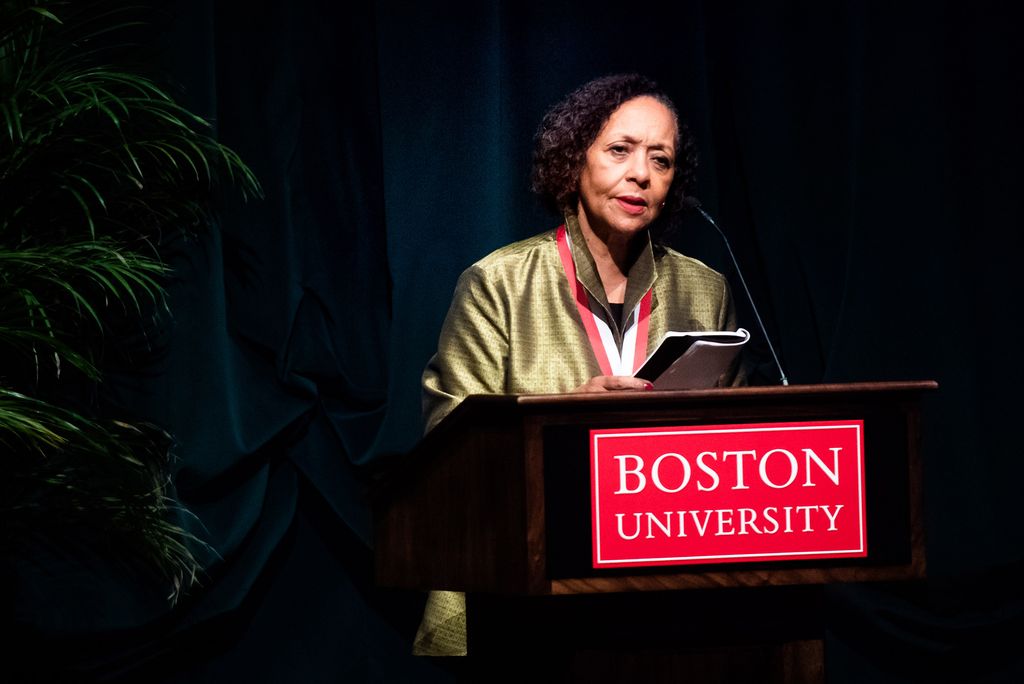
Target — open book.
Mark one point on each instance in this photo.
(692, 360)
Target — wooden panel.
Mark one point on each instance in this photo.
(462, 524)
(730, 578)
(535, 508)
(473, 509)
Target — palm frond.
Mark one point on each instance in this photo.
(122, 136)
(99, 169)
(89, 474)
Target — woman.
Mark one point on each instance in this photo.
(578, 308)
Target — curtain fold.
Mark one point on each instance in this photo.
(865, 162)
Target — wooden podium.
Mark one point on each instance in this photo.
(496, 502)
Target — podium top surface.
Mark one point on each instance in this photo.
(535, 403)
(729, 393)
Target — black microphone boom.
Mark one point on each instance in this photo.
(694, 203)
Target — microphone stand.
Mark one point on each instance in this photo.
(694, 203)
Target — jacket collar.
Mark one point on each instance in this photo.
(640, 278)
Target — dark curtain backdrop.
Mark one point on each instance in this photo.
(864, 158)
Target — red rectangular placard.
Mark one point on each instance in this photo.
(727, 493)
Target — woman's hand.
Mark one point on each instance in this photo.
(614, 383)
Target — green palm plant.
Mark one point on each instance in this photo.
(99, 170)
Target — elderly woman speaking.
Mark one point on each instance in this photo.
(576, 308)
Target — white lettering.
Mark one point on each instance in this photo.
(739, 465)
(832, 516)
(723, 521)
(807, 516)
(747, 518)
(682, 523)
(832, 474)
(624, 471)
(701, 528)
(666, 528)
(762, 468)
(622, 534)
(656, 473)
(706, 469)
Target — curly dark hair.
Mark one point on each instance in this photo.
(570, 128)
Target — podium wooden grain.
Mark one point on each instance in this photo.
(494, 502)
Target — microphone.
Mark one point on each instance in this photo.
(694, 203)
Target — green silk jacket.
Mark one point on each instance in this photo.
(513, 326)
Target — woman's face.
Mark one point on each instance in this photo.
(628, 169)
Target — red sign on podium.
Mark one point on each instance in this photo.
(728, 493)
